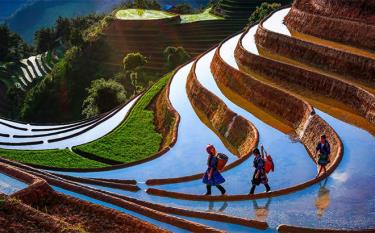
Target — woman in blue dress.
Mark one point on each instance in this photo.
(324, 149)
(212, 176)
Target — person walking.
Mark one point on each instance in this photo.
(212, 176)
(324, 150)
(259, 175)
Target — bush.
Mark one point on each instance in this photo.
(262, 11)
(175, 56)
(103, 95)
(133, 61)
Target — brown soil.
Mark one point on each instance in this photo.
(166, 117)
(90, 217)
(18, 217)
(237, 133)
(347, 31)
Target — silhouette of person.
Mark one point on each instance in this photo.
(323, 199)
(261, 212)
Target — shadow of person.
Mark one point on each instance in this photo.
(211, 207)
(261, 212)
(323, 199)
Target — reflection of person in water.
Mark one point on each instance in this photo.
(261, 212)
(322, 200)
(222, 208)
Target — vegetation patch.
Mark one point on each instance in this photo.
(142, 14)
(52, 158)
(136, 138)
(205, 15)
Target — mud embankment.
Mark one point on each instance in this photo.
(290, 76)
(149, 209)
(41, 201)
(287, 108)
(297, 229)
(166, 118)
(349, 32)
(237, 133)
(18, 217)
(357, 10)
(325, 58)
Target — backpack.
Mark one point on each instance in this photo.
(222, 160)
(268, 164)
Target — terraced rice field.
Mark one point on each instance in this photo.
(247, 82)
(140, 14)
(31, 69)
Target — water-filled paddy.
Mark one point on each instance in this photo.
(10, 185)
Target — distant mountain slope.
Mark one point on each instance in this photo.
(43, 13)
(8, 7)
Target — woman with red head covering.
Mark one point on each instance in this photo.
(212, 176)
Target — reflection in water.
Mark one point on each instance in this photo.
(323, 199)
(211, 207)
(261, 212)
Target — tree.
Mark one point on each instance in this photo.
(133, 61)
(76, 38)
(103, 96)
(4, 42)
(63, 28)
(182, 8)
(15, 97)
(262, 11)
(44, 39)
(12, 47)
(175, 56)
(133, 64)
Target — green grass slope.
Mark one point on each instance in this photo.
(52, 158)
(136, 138)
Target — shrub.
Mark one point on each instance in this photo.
(103, 95)
(133, 61)
(262, 11)
(175, 56)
